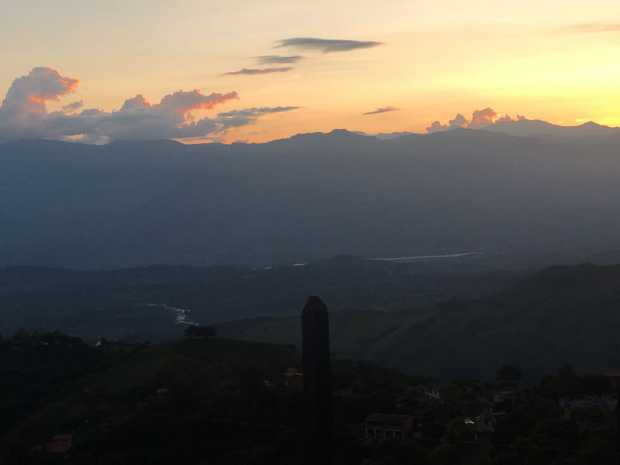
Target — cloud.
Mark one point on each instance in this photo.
(183, 102)
(479, 119)
(136, 103)
(23, 113)
(278, 59)
(459, 121)
(29, 94)
(74, 106)
(326, 45)
(236, 118)
(258, 71)
(381, 110)
(589, 28)
(505, 119)
(436, 126)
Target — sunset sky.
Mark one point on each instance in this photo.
(552, 60)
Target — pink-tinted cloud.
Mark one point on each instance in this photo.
(183, 102)
(29, 94)
(24, 114)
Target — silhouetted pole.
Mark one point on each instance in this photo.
(618, 426)
(317, 383)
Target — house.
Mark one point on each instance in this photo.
(380, 427)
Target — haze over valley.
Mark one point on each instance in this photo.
(520, 200)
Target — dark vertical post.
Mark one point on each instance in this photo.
(618, 426)
(317, 383)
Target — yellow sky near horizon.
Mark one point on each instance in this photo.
(537, 58)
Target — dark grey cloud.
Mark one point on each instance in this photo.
(258, 71)
(381, 110)
(326, 45)
(278, 59)
(588, 28)
(23, 113)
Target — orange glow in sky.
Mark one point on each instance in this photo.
(540, 59)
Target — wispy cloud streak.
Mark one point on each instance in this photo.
(278, 59)
(326, 45)
(381, 110)
(259, 71)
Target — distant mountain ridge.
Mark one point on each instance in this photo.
(538, 128)
(539, 200)
(528, 128)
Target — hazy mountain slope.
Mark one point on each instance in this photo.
(559, 316)
(563, 315)
(310, 196)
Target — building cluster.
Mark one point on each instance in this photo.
(472, 413)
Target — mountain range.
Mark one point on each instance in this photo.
(522, 200)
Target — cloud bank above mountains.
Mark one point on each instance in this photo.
(24, 114)
(479, 119)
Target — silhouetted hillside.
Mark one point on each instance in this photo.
(195, 399)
